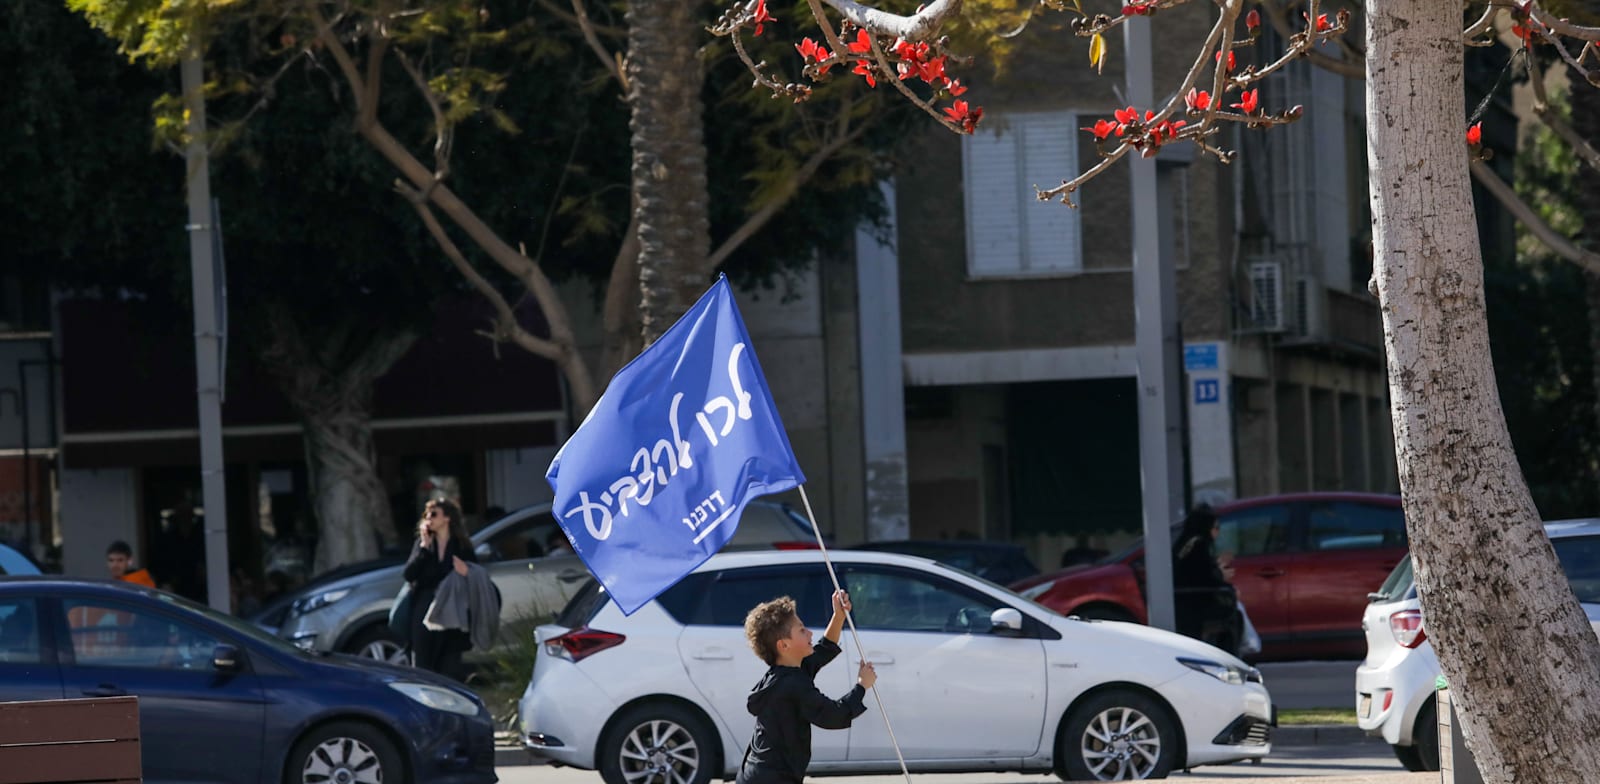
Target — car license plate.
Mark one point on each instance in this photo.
(1365, 706)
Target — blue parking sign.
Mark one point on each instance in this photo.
(1207, 390)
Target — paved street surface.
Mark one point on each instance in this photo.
(1363, 761)
(1311, 684)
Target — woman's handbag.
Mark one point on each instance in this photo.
(400, 617)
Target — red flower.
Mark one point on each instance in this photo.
(1523, 32)
(1139, 7)
(1252, 21)
(1247, 102)
(956, 87)
(811, 50)
(1230, 61)
(1168, 128)
(1101, 128)
(1323, 25)
(862, 44)
(1198, 100)
(959, 112)
(762, 15)
(1475, 134)
(865, 69)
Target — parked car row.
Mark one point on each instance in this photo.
(1303, 564)
(1395, 691)
(1034, 691)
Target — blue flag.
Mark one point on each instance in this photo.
(653, 482)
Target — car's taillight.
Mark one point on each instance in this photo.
(580, 644)
(798, 544)
(1407, 628)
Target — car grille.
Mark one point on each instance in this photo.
(1245, 731)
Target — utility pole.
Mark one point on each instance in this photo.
(207, 337)
(1155, 344)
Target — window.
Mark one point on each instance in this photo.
(1341, 525)
(105, 634)
(1009, 231)
(907, 602)
(724, 599)
(19, 632)
(529, 537)
(1255, 531)
(1580, 560)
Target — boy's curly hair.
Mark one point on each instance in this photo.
(768, 623)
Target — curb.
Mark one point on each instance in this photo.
(1317, 734)
(512, 756)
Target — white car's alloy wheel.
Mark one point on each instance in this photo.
(660, 752)
(1121, 744)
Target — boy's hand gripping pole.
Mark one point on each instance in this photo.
(850, 619)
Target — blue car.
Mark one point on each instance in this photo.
(222, 701)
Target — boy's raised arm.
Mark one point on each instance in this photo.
(841, 605)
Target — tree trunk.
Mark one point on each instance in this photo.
(329, 384)
(1511, 639)
(671, 201)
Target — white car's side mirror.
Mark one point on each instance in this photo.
(1006, 618)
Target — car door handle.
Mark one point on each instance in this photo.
(1271, 572)
(879, 659)
(713, 654)
(572, 575)
(105, 690)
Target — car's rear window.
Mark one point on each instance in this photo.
(1400, 584)
(583, 605)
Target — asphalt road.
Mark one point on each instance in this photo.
(1350, 758)
(1311, 684)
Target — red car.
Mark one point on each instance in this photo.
(1303, 565)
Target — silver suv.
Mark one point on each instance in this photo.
(350, 614)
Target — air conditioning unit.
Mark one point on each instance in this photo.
(1266, 296)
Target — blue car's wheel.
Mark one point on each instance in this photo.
(344, 753)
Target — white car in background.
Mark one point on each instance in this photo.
(1395, 684)
(973, 678)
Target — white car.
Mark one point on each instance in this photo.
(972, 677)
(1395, 684)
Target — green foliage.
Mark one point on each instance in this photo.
(1539, 335)
(501, 679)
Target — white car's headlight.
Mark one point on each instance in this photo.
(436, 697)
(1222, 672)
(318, 601)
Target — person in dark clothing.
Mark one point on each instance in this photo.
(786, 702)
(1205, 601)
(442, 545)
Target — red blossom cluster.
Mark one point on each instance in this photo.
(914, 61)
(964, 116)
(1140, 7)
(1475, 134)
(761, 15)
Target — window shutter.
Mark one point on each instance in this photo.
(994, 235)
(1051, 155)
(1009, 231)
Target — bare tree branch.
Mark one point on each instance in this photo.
(920, 26)
(580, 16)
(792, 186)
(1552, 239)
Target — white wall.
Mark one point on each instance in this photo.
(97, 507)
(516, 476)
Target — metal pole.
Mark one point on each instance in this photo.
(207, 341)
(1155, 339)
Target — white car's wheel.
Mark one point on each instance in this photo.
(659, 744)
(1117, 736)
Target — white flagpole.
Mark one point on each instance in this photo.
(849, 618)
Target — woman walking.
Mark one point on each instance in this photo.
(442, 546)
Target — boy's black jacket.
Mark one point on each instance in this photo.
(786, 703)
